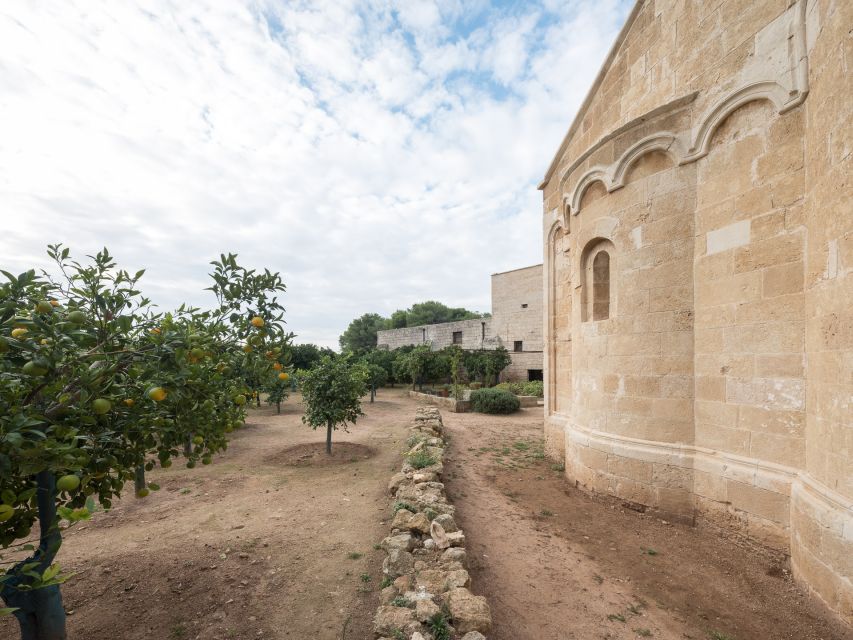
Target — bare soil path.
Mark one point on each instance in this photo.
(267, 542)
(559, 564)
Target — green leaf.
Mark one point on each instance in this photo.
(7, 611)
(50, 573)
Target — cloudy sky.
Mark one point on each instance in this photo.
(375, 152)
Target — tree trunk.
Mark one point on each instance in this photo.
(372, 391)
(40, 613)
(188, 446)
(278, 407)
(139, 479)
(258, 398)
(329, 437)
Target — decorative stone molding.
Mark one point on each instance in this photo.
(785, 90)
(613, 176)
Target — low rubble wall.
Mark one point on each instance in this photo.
(425, 591)
(451, 404)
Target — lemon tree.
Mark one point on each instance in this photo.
(96, 389)
(331, 392)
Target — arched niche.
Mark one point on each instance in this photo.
(598, 291)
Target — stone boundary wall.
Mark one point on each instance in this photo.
(425, 578)
(476, 334)
(451, 404)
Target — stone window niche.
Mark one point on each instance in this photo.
(597, 287)
(518, 346)
(457, 337)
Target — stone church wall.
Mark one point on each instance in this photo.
(699, 277)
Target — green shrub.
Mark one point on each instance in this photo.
(494, 401)
(421, 459)
(475, 385)
(533, 388)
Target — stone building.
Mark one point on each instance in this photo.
(515, 324)
(698, 243)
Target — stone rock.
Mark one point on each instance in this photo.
(456, 539)
(425, 494)
(417, 635)
(452, 565)
(388, 594)
(420, 477)
(426, 609)
(447, 523)
(433, 580)
(473, 635)
(390, 619)
(397, 480)
(401, 519)
(403, 583)
(403, 541)
(458, 578)
(436, 532)
(469, 612)
(429, 544)
(398, 563)
(418, 522)
(456, 554)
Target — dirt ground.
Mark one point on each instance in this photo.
(559, 564)
(260, 544)
(275, 541)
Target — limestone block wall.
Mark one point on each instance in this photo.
(698, 277)
(476, 334)
(517, 315)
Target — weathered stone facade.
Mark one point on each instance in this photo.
(515, 324)
(698, 241)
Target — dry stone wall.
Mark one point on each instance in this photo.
(426, 583)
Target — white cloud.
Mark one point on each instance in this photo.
(376, 152)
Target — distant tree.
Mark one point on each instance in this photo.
(416, 362)
(432, 312)
(455, 357)
(305, 356)
(360, 335)
(398, 319)
(332, 393)
(495, 361)
(376, 377)
(385, 359)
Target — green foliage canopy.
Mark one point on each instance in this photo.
(332, 393)
(360, 335)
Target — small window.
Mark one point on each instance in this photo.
(483, 330)
(423, 335)
(601, 286)
(524, 306)
(457, 337)
(518, 345)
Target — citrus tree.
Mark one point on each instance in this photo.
(96, 389)
(376, 377)
(332, 392)
(279, 379)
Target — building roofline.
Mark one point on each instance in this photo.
(533, 266)
(605, 67)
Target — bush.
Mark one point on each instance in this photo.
(534, 388)
(513, 387)
(421, 460)
(494, 401)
